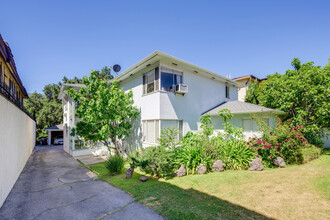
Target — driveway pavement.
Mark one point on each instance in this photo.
(55, 186)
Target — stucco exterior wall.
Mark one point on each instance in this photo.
(242, 93)
(237, 121)
(204, 93)
(67, 123)
(17, 140)
(326, 139)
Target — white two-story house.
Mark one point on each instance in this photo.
(170, 92)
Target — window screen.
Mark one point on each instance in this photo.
(247, 124)
(151, 81)
(150, 131)
(177, 124)
(266, 120)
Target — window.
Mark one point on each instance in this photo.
(11, 86)
(247, 125)
(172, 124)
(150, 131)
(1, 72)
(227, 92)
(151, 81)
(266, 120)
(169, 78)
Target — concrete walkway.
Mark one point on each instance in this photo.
(55, 186)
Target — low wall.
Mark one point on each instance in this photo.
(17, 140)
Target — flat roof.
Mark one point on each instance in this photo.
(55, 128)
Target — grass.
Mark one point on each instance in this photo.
(294, 192)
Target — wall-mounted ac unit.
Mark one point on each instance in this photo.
(181, 89)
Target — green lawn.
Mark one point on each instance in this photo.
(294, 192)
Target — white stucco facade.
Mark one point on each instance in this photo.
(238, 120)
(204, 92)
(17, 135)
(161, 107)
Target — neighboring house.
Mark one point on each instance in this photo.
(170, 92)
(10, 81)
(17, 126)
(242, 94)
(245, 81)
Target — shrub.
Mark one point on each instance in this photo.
(192, 153)
(283, 141)
(157, 160)
(235, 154)
(169, 137)
(115, 164)
(310, 152)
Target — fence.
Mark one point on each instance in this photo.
(5, 91)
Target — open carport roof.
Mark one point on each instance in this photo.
(55, 128)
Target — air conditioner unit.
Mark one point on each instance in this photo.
(181, 89)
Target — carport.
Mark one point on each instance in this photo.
(53, 132)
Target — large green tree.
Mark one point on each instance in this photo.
(251, 94)
(304, 94)
(106, 111)
(46, 107)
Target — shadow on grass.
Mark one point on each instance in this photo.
(173, 202)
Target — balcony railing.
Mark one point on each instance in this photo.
(5, 91)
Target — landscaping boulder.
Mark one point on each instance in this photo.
(279, 162)
(181, 171)
(201, 169)
(217, 166)
(143, 179)
(256, 165)
(129, 173)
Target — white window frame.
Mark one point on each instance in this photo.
(145, 131)
(178, 126)
(172, 71)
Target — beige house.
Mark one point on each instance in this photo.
(17, 126)
(245, 81)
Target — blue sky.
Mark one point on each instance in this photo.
(52, 39)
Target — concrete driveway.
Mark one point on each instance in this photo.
(55, 186)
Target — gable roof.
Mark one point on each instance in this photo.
(248, 77)
(66, 86)
(177, 63)
(238, 107)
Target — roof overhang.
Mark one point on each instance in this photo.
(66, 86)
(55, 128)
(161, 57)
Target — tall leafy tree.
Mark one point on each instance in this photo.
(304, 94)
(47, 108)
(106, 111)
(251, 94)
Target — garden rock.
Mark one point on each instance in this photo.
(181, 171)
(256, 165)
(201, 169)
(143, 179)
(217, 166)
(129, 173)
(279, 162)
